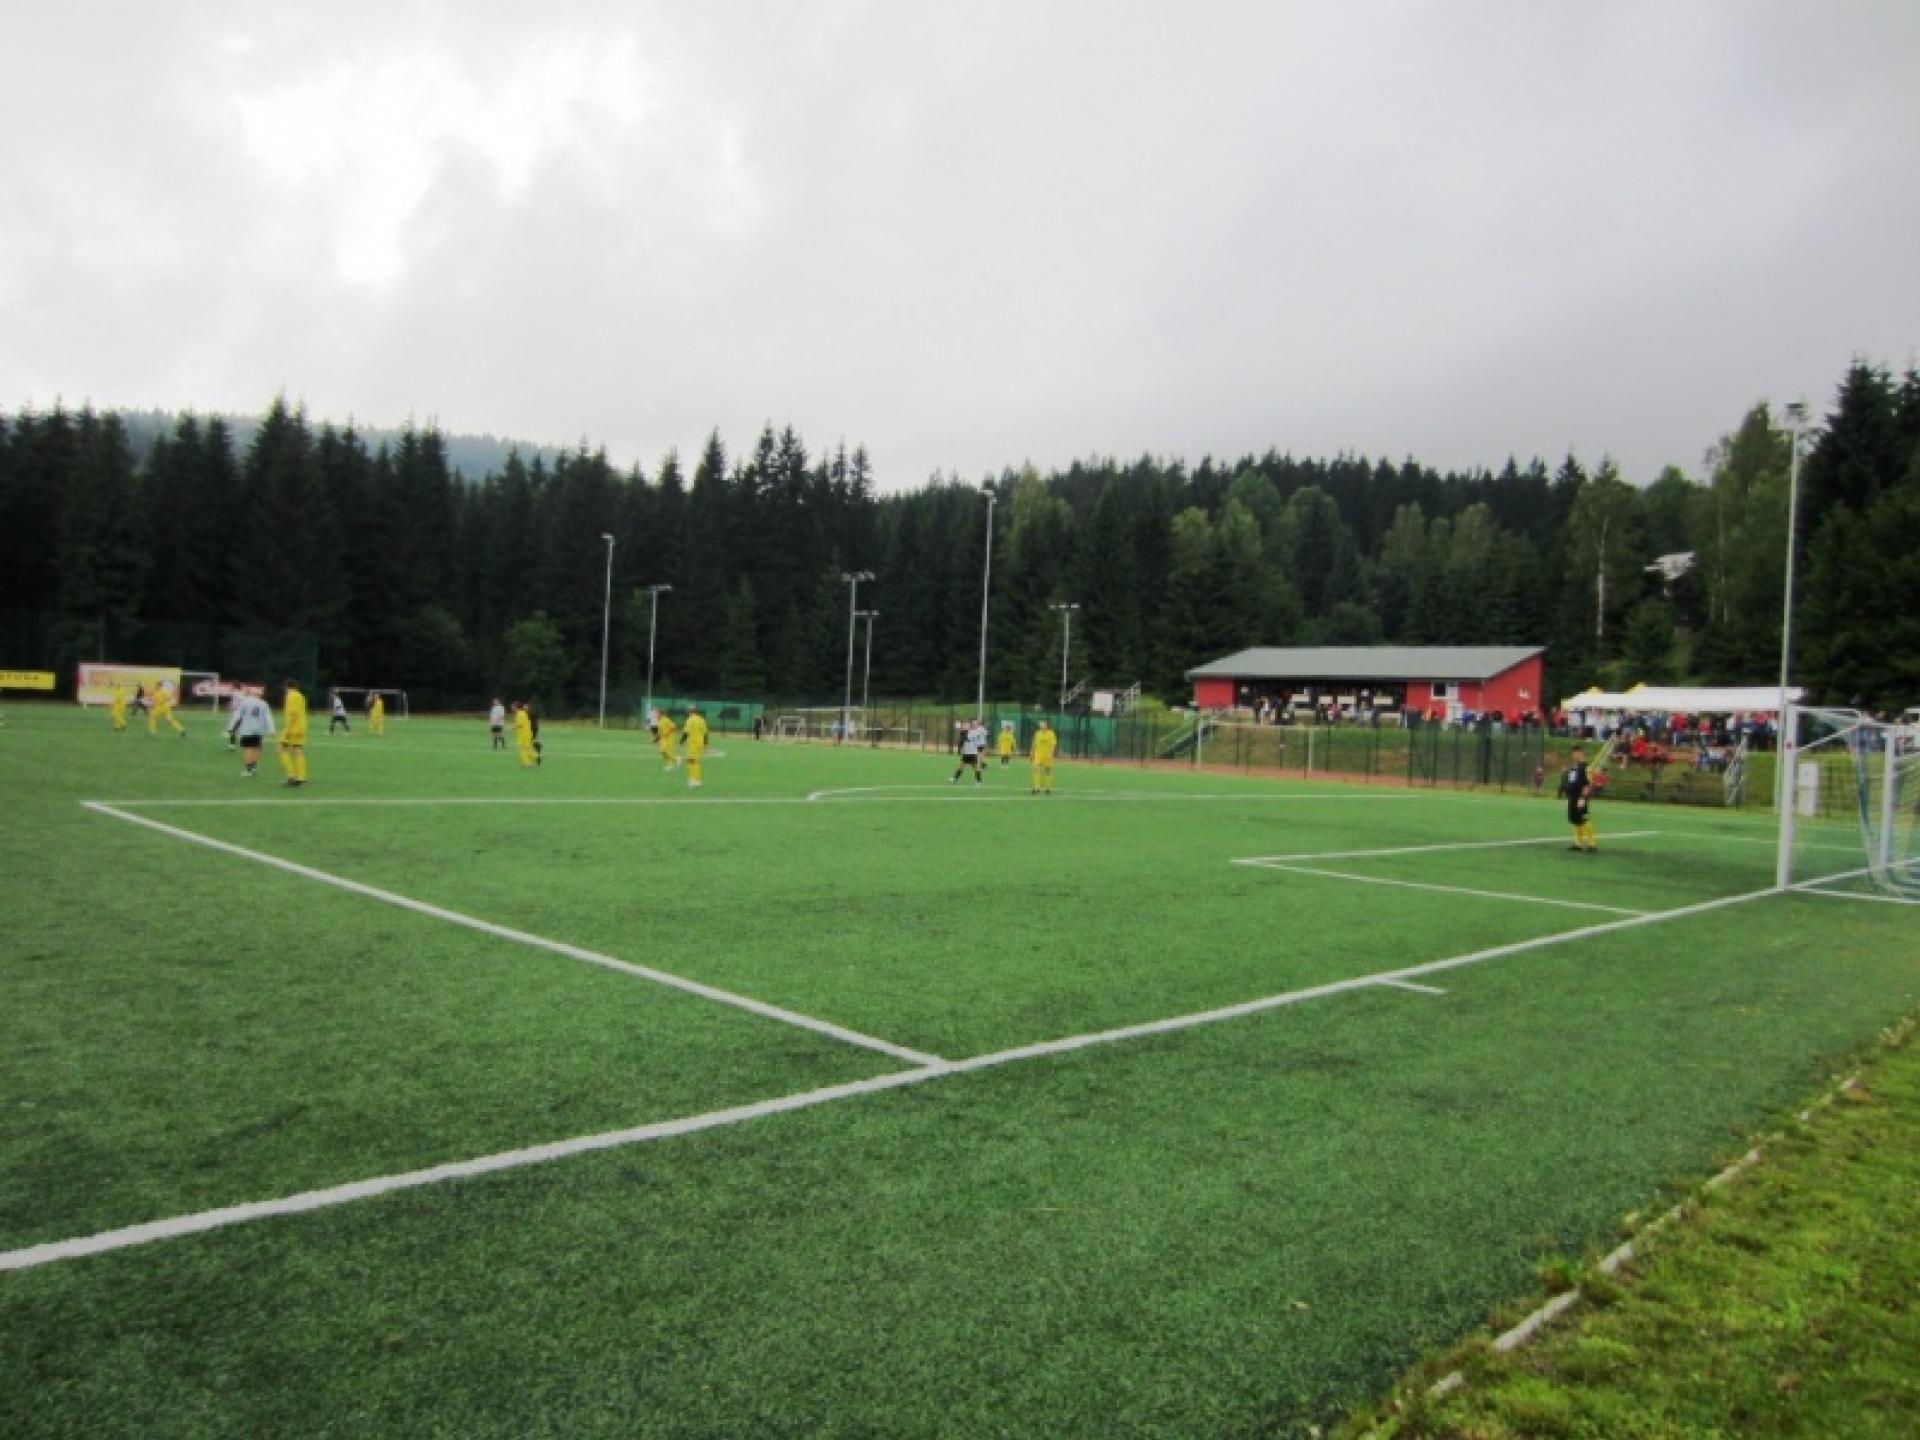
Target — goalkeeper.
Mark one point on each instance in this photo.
(1576, 788)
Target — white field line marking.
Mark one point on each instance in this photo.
(475, 752)
(1442, 889)
(33, 1255)
(1773, 841)
(308, 802)
(538, 942)
(1418, 989)
(955, 792)
(1430, 849)
(1849, 895)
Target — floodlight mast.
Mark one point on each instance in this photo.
(852, 579)
(1786, 741)
(1066, 610)
(653, 626)
(986, 584)
(866, 676)
(606, 627)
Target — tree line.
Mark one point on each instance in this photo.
(409, 575)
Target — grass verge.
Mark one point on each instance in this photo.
(1784, 1305)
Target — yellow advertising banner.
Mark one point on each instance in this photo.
(96, 682)
(26, 679)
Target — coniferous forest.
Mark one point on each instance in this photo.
(410, 573)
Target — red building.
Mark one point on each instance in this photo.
(1447, 680)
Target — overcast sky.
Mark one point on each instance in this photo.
(971, 234)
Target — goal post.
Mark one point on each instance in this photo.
(1849, 803)
(821, 722)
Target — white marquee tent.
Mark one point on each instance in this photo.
(1685, 699)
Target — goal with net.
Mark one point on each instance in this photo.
(1849, 802)
(824, 723)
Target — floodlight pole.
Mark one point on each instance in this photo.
(866, 676)
(853, 579)
(1786, 746)
(986, 581)
(606, 629)
(653, 627)
(1066, 646)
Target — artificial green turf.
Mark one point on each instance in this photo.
(1238, 1229)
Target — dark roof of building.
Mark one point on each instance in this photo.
(1369, 662)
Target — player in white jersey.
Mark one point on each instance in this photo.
(973, 744)
(251, 723)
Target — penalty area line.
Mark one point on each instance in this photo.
(1444, 889)
(1431, 849)
(537, 942)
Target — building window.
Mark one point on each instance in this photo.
(1444, 690)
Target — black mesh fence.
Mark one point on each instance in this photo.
(36, 640)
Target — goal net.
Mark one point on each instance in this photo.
(820, 722)
(1848, 794)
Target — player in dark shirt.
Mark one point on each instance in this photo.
(1576, 787)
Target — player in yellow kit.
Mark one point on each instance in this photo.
(1003, 744)
(117, 706)
(523, 734)
(162, 709)
(696, 733)
(377, 716)
(1045, 742)
(664, 734)
(291, 747)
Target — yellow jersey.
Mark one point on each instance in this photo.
(293, 729)
(1044, 744)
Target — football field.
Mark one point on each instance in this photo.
(449, 1097)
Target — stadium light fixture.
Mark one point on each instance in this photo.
(853, 579)
(1785, 747)
(606, 630)
(866, 676)
(1066, 609)
(653, 626)
(986, 581)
